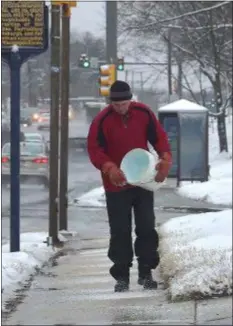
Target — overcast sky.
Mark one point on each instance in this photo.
(88, 16)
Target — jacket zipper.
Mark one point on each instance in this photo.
(125, 121)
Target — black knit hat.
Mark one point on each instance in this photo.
(120, 91)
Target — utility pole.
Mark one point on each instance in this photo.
(111, 32)
(169, 65)
(54, 124)
(64, 117)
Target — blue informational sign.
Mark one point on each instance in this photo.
(171, 126)
(24, 34)
(24, 24)
(193, 147)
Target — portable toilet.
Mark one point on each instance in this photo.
(186, 124)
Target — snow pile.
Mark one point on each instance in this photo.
(18, 266)
(196, 255)
(93, 198)
(218, 189)
(182, 105)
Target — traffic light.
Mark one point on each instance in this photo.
(84, 61)
(106, 79)
(120, 64)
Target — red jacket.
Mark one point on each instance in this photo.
(111, 136)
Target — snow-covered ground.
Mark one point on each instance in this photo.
(196, 250)
(196, 255)
(94, 198)
(18, 266)
(218, 189)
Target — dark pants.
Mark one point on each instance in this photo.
(119, 208)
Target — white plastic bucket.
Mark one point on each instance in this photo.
(138, 166)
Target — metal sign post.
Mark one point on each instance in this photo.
(24, 34)
(15, 66)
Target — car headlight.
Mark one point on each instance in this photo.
(35, 116)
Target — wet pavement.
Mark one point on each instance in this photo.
(82, 176)
(34, 208)
(77, 289)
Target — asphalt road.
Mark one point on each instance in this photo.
(77, 128)
(35, 199)
(79, 167)
(82, 176)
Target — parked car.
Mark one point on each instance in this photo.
(34, 162)
(44, 121)
(34, 137)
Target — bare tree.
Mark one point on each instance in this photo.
(35, 76)
(201, 33)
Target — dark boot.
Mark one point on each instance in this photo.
(122, 285)
(149, 283)
(141, 280)
(121, 274)
(145, 278)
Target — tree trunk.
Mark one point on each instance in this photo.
(221, 121)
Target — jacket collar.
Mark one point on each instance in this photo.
(127, 115)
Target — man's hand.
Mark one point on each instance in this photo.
(163, 167)
(116, 176)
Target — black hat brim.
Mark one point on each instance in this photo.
(120, 96)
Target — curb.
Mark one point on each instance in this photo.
(13, 302)
(165, 208)
(191, 209)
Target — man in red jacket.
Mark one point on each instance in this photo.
(120, 127)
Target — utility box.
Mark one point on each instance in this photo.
(186, 124)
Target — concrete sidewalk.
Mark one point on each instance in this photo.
(77, 290)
